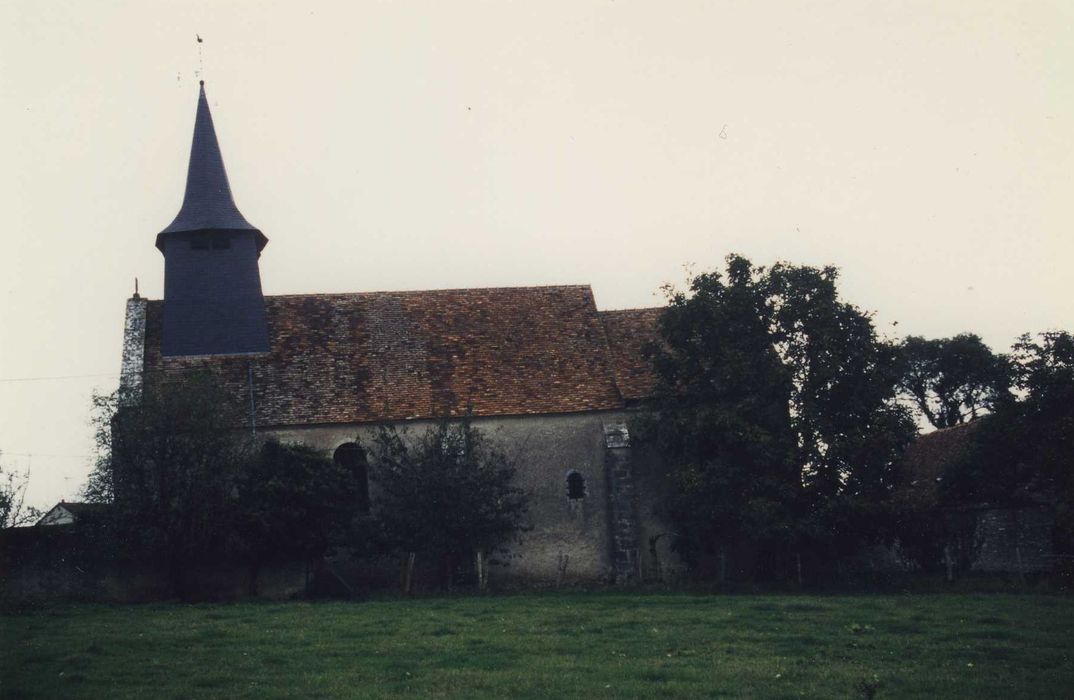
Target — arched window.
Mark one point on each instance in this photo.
(575, 485)
(351, 456)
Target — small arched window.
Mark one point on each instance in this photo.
(351, 457)
(575, 486)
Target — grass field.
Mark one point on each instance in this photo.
(600, 645)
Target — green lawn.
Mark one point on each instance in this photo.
(603, 645)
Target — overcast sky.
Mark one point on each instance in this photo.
(923, 147)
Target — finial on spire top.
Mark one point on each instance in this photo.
(201, 66)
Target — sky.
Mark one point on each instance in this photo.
(924, 148)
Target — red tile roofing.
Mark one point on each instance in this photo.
(352, 358)
(629, 331)
(928, 457)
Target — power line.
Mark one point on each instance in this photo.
(59, 377)
(162, 370)
(6, 453)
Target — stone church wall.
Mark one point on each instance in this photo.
(613, 534)
(572, 541)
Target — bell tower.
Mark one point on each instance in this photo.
(213, 303)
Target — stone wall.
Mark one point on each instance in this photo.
(571, 540)
(614, 532)
(130, 377)
(655, 533)
(59, 563)
(622, 503)
(1014, 540)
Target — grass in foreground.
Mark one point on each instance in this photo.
(549, 646)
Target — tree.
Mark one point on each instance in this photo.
(13, 509)
(189, 485)
(720, 417)
(293, 500)
(775, 410)
(850, 430)
(446, 494)
(1024, 452)
(952, 380)
(171, 462)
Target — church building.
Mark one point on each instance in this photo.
(545, 374)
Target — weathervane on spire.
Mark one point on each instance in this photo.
(201, 66)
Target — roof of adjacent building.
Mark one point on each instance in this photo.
(207, 203)
(927, 458)
(76, 509)
(79, 508)
(386, 356)
(629, 332)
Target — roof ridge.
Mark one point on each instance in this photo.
(606, 346)
(326, 295)
(633, 308)
(952, 428)
(428, 291)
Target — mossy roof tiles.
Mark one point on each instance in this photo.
(389, 356)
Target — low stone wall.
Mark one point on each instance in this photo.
(59, 563)
(1014, 540)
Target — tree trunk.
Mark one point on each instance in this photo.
(723, 565)
(482, 569)
(798, 566)
(949, 562)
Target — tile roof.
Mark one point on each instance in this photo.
(927, 458)
(352, 358)
(629, 331)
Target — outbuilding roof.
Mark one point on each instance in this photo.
(629, 332)
(388, 356)
(927, 459)
(74, 509)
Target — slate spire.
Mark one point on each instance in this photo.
(213, 304)
(207, 203)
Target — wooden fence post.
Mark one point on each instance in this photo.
(408, 572)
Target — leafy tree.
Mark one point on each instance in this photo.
(952, 380)
(189, 485)
(775, 410)
(721, 416)
(293, 500)
(1024, 451)
(171, 462)
(849, 428)
(1044, 369)
(13, 509)
(446, 494)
